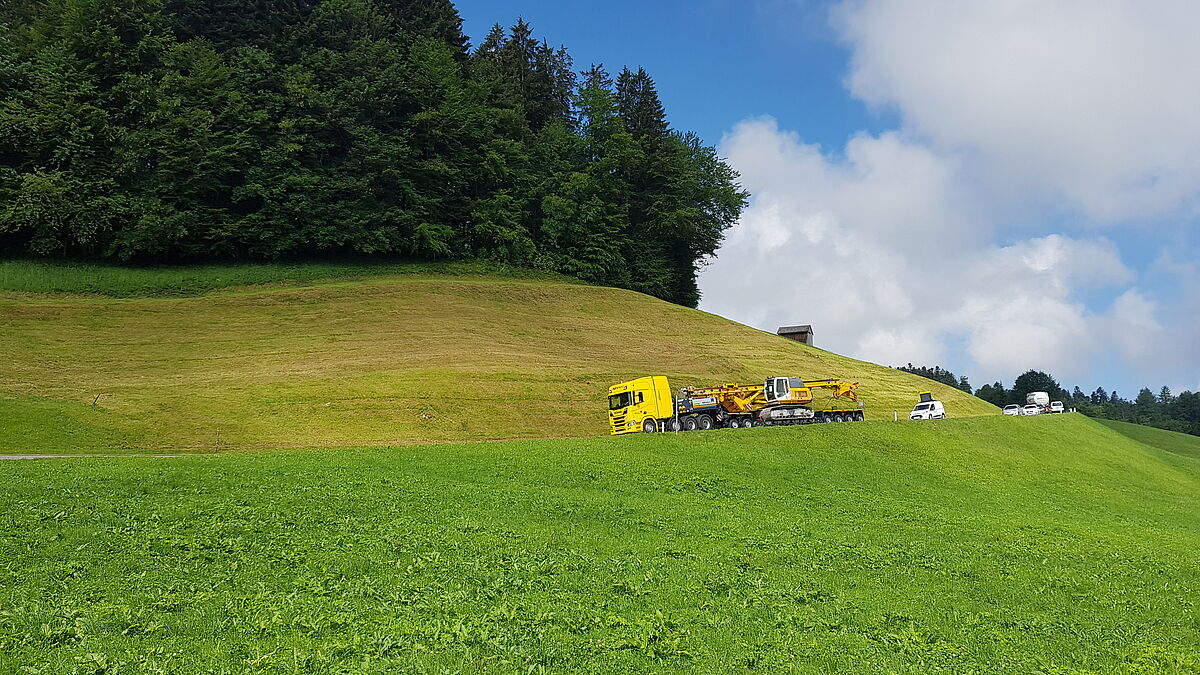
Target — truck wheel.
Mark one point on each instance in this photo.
(705, 422)
(674, 425)
(734, 423)
(650, 426)
(860, 417)
(689, 424)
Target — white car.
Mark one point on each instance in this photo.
(1031, 409)
(930, 410)
(1056, 407)
(1012, 409)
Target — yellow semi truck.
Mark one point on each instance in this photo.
(647, 405)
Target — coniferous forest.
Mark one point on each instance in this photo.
(176, 131)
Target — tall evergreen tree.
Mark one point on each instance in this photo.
(438, 20)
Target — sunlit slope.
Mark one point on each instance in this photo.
(1169, 441)
(1044, 544)
(386, 360)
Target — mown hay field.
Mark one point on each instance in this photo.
(181, 362)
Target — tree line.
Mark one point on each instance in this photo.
(939, 374)
(156, 131)
(1165, 410)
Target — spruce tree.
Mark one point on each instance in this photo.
(435, 19)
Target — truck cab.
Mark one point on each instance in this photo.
(639, 405)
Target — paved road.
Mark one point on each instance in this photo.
(3, 457)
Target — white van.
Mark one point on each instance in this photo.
(930, 410)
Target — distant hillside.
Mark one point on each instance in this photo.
(384, 360)
(1170, 441)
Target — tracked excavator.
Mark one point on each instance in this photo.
(648, 405)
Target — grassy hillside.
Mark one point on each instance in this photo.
(1170, 441)
(344, 357)
(989, 545)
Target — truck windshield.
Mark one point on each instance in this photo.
(620, 401)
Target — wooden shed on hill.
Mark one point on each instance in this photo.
(798, 333)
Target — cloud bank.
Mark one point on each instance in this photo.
(981, 234)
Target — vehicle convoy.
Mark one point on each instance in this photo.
(928, 408)
(647, 405)
(1042, 400)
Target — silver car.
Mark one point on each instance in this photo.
(1012, 409)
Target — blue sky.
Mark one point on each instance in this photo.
(690, 46)
(989, 186)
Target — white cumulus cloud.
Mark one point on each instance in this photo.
(967, 236)
(882, 251)
(1093, 101)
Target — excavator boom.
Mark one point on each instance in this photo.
(840, 388)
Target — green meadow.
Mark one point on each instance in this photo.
(988, 545)
(104, 359)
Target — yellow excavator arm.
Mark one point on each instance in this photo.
(840, 388)
(739, 398)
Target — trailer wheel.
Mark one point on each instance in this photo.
(690, 424)
(705, 422)
(650, 426)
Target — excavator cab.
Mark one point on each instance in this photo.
(777, 389)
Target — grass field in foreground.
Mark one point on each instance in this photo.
(375, 360)
(990, 545)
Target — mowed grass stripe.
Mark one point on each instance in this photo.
(992, 545)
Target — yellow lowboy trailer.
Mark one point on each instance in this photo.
(647, 405)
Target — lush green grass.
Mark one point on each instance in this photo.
(37, 424)
(388, 359)
(1171, 441)
(27, 276)
(990, 545)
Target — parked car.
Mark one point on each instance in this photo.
(1056, 407)
(931, 410)
(1012, 409)
(1031, 409)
